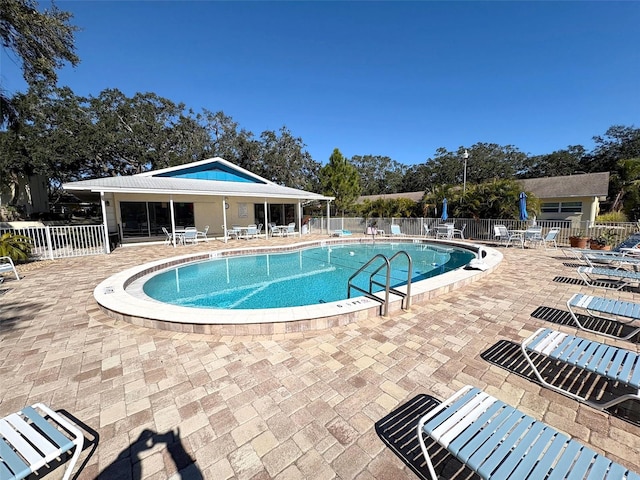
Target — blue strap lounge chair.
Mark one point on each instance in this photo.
(7, 265)
(615, 279)
(34, 437)
(613, 363)
(596, 259)
(498, 441)
(618, 310)
(341, 233)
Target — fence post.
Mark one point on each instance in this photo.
(49, 242)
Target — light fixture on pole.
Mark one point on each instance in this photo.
(465, 155)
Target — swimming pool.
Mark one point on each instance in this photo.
(310, 276)
(121, 297)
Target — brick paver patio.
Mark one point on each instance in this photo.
(287, 406)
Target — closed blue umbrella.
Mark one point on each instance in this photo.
(445, 214)
(523, 207)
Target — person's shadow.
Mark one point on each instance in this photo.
(128, 464)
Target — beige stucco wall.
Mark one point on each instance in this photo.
(207, 210)
(590, 209)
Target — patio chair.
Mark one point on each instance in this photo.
(291, 229)
(498, 441)
(615, 279)
(395, 231)
(548, 239)
(230, 232)
(533, 235)
(203, 233)
(615, 364)
(251, 231)
(506, 237)
(190, 235)
(33, 438)
(168, 238)
(459, 231)
(616, 310)
(444, 230)
(341, 233)
(427, 230)
(7, 265)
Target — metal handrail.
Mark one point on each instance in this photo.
(387, 284)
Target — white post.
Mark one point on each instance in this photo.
(107, 247)
(299, 219)
(328, 216)
(465, 155)
(173, 221)
(224, 217)
(266, 220)
(47, 232)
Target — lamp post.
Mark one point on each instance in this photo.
(465, 155)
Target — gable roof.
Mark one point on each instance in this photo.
(582, 185)
(214, 176)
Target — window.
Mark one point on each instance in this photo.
(571, 207)
(561, 207)
(146, 219)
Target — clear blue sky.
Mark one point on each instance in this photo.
(399, 79)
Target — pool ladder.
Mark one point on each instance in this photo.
(406, 297)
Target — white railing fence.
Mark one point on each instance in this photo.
(51, 242)
(476, 229)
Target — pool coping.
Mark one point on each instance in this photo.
(117, 301)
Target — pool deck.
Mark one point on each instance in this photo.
(285, 406)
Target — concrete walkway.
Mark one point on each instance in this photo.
(291, 406)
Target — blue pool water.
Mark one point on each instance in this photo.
(305, 277)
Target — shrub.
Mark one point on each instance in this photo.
(612, 217)
(17, 247)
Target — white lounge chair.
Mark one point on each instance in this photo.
(7, 265)
(341, 233)
(498, 441)
(617, 310)
(615, 279)
(595, 259)
(395, 231)
(34, 437)
(613, 363)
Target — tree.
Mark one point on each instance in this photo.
(627, 178)
(558, 163)
(378, 174)
(618, 143)
(41, 41)
(285, 161)
(340, 179)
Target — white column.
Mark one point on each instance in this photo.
(173, 221)
(299, 219)
(224, 217)
(328, 216)
(266, 220)
(107, 247)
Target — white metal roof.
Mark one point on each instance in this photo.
(148, 184)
